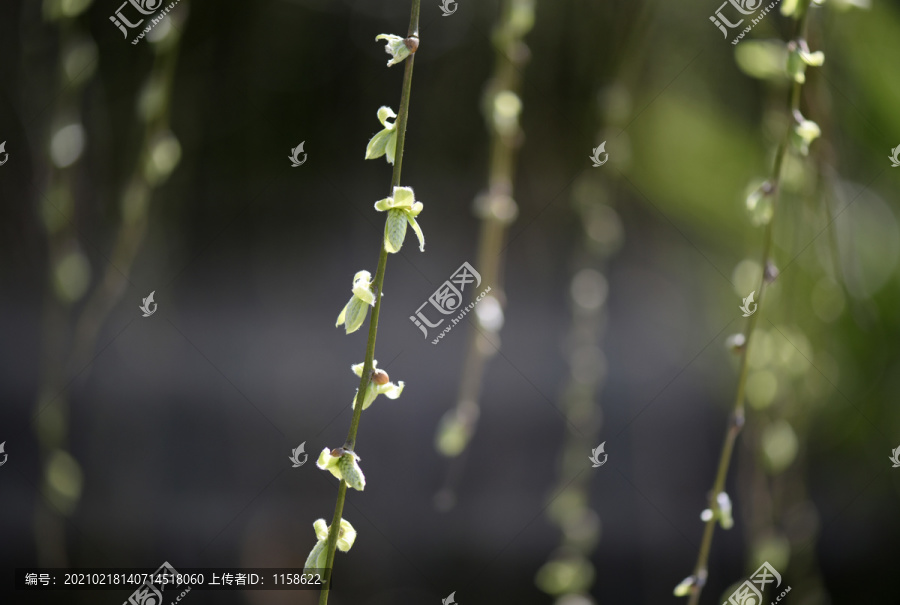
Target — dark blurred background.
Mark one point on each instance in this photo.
(162, 166)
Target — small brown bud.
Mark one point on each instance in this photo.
(380, 377)
(412, 43)
(337, 452)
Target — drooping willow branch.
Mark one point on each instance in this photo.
(497, 209)
(569, 571)
(68, 275)
(159, 153)
(763, 203)
(402, 210)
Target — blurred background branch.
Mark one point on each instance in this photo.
(70, 347)
(496, 209)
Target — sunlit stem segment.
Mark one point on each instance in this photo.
(350, 443)
(737, 417)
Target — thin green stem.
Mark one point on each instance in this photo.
(350, 443)
(737, 417)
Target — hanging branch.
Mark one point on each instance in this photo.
(159, 155)
(497, 210)
(762, 204)
(402, 210)
(67, 280)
